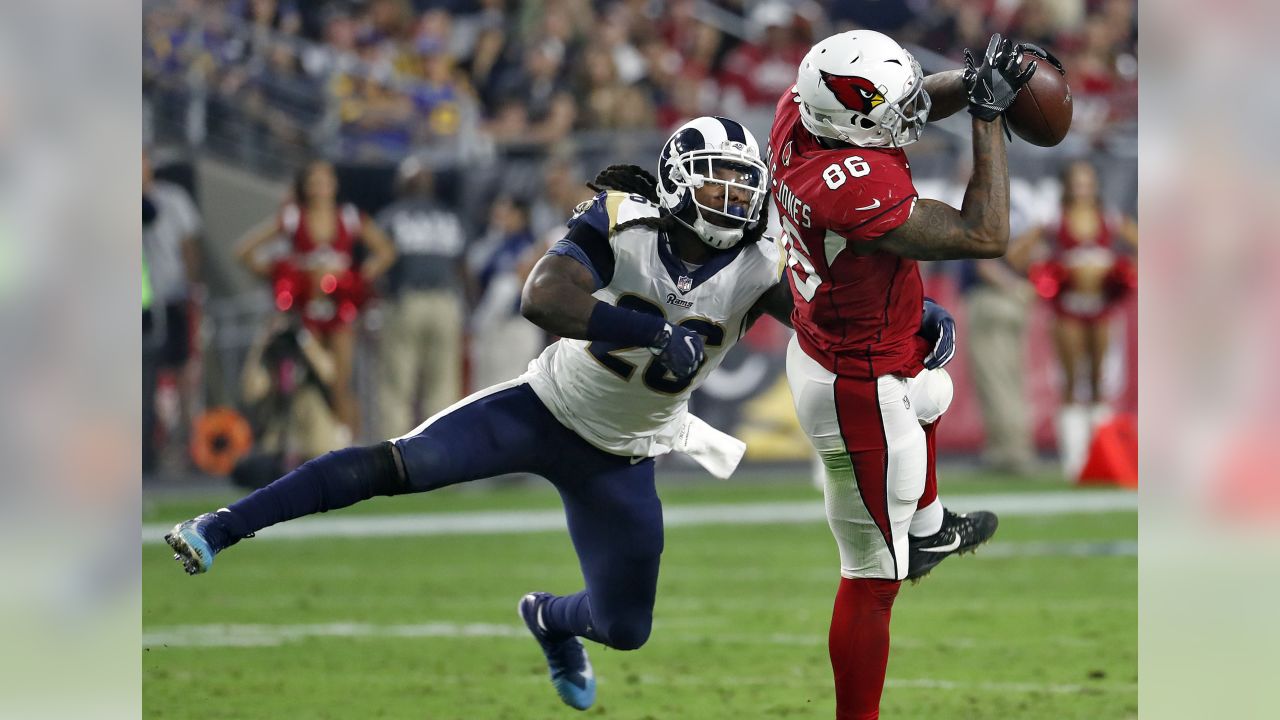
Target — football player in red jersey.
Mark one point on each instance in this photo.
(865, 393)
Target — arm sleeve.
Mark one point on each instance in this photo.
(586, 244)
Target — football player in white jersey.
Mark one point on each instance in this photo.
(654, 282)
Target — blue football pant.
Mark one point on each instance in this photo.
(610, 503)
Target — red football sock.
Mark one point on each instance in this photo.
(931, 473)
(859, 645)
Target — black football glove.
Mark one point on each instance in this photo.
(1041, 53)
(679, 350)
(992, 86)
(938, 327)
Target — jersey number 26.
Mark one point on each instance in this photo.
(655, 374)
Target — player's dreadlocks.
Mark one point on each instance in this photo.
(628, 179)
(638, 181)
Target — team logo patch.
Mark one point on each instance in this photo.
(673, 300)
(855, 93)
(684, 284)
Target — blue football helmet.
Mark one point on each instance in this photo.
(713, 150)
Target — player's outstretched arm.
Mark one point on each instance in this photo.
(946, 91)
(980, 229)
(557, 296)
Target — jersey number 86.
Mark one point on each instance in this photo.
(803, 273)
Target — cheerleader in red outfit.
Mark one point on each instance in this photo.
(317, 275)
(1087, 274)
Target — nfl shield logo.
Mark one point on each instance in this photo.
(684, 284)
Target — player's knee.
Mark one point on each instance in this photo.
(380, 464)
(908, 461)
(628, 632)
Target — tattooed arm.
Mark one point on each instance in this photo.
(980, 228)
(946, 91)
(557, 296)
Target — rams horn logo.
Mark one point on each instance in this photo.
(855, 93)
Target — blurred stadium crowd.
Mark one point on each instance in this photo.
(277, 80)
(460, 132)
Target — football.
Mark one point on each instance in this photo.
(1041, 114)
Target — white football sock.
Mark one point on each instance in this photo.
(927, 520)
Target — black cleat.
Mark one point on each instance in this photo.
(959, 534)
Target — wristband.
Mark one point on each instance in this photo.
(627, 328)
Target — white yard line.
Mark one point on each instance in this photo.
(759, 513)
(267, 635)
(233, 635)
(931, 683)
(1114, 548)
(1011, 687)
(219, 635)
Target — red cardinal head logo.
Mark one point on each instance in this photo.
(855, 93)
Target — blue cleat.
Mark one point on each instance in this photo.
(193, 544)
(571, 672)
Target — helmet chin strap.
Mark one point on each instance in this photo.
(702, 229)
(841, 135)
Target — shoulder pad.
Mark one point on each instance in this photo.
(609, 209)
(771, 250)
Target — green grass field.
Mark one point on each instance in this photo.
(1039, 624)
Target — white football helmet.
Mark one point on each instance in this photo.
(862, 88)
(712, 150)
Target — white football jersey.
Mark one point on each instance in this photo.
(621, 399)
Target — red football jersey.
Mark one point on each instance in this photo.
(855, 314)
